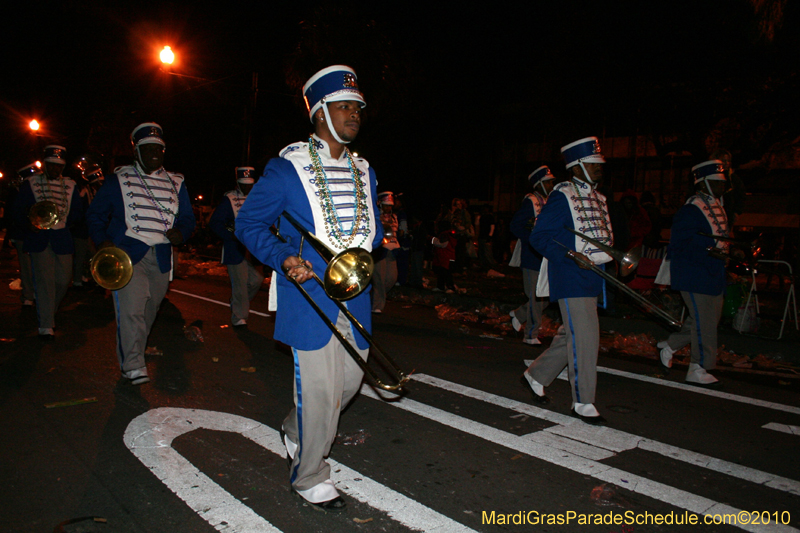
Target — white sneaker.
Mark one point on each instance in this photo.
(533, 341)
(586, 409)
(137, 376)
(514, 322)
(698, 374)
(665, 353)
(240, 322)
(291, 447)
(27, 302)
(377, 311)
(538, 388)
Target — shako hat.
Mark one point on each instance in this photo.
(147, 133)
(586, 150)
(386, 198)
(29, 170)
(539, 175)
(713, 169)
(332, 84)
(245, 175)
(54, 153)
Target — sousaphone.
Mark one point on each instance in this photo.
(111, 268)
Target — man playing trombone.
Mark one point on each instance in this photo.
(697, 269)
(574, 208)
(331, 194)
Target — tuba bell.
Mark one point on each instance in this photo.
(111, 268)
(44, 214)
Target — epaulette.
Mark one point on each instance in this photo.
(292, 148)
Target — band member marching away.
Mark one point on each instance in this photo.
(51, 249)
(331, 194)
(92, 177)
(530, 313)
(245, 279)
(697, 269)
(15, 234)
(576, 205)
(145, 211)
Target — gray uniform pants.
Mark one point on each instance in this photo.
(575, 346)
(80, 260)
(700, 328)
(136, 306)
(383, 279)
(530, 313)
(25, 272)
(51, 276)
(326, 380)
(245, 283)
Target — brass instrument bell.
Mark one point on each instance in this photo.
(111, 268)
(44, 214)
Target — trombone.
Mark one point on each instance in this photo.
(646, 304)
(627, 261)
(346, 276)
(44, 214)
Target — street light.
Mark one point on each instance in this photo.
(34, 125)
(167, 56)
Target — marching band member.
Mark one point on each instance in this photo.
(530, 313)
(51, 249)
(385, 274)
(93, 178)
(15, 234)
(245, 279)
(331, 194)
(697, 269)
(574, 204)
(145, 211)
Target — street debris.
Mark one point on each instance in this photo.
(494, 274)
(193, 333)
(223, 326)
(362, 520)
(215, 359)
(152, 350)
(352, 439)
(69, 403)
(490, 336)
(15, 285)
(603, 494)
(7, 340)
(248, 369)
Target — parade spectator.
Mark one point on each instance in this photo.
(653, 238)
(461, 223)
(332, 194)
(385, 274)
(486, 231)
(697, 270)
(638, 220)
(529, 314)
(245, 278)
(573, 204)
(50, 245)
(145, 211)
(444, 255)
(401, 254)
(418, 237)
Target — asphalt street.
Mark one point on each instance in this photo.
(465, 449)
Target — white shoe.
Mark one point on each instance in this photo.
(27, 302)
(377, 311)
(533, 341)
(698, 374)
(538, 388)
(137, 376)
(514, 322)
(665, 353)
(240, 322)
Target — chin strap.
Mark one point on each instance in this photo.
(330, 124)
(544, 191)
(588, 177)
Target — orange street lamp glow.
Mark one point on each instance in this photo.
(34, 125)
(167, 55)
(38, 164)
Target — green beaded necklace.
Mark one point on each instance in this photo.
(333, 226)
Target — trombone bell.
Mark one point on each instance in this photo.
(111, 268)
(348, 274)
(627, 261)
(44, 214)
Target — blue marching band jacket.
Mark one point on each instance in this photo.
(64, 193)
(222, 223)
(134, 210)
(691, 268)
(576, 205)
(521, 226)
(289, 183)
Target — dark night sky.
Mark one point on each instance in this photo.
(446, 85)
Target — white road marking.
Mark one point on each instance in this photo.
(784, 428)
(691, 388)
(213, 301)
(615, 440)
(560, 457)
(149, 436)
